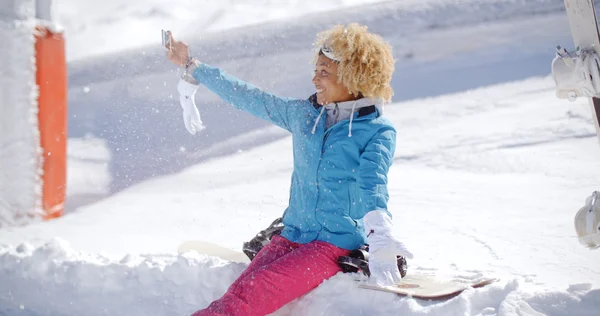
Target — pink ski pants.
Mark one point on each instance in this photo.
(281, 272)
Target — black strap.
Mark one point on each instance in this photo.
(366, 110)
(361, 112)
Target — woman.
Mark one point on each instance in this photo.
(343, 148)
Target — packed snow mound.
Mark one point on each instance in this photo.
(54, 279)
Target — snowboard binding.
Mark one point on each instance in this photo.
(576, 74)
(263, 238)
(587, 222)
(356, 261)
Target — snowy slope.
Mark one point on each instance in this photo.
(486, 179)
(127, 99)
(115, 25)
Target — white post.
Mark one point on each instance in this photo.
(20, 179)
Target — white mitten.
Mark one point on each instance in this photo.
(191, 115)
(383, 248)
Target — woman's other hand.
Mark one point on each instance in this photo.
(178, 52)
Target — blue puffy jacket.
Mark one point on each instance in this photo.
(337, 179)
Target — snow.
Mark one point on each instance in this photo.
(19, 138)
(129, 24)
(489, 172)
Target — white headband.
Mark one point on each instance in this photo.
(328, 52)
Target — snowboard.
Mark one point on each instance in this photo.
(584, 30)
(213, 250)
(430, 287)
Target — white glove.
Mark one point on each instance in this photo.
(383, 248)
(191, 116)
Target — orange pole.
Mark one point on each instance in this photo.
(51, 78)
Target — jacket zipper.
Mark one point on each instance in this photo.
(325, 136)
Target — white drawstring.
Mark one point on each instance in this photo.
(351, 117)
(314, 129)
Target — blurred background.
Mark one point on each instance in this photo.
(122, 99)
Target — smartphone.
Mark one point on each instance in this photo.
(166, 39)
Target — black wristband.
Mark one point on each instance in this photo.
(189, 62)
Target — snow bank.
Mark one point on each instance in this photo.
(53, 279)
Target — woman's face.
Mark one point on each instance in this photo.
(326, 82)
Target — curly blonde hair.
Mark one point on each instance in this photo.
(365, 63)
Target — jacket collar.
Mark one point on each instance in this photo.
(363, 111)
(366, 110)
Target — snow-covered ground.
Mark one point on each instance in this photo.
(489, 171)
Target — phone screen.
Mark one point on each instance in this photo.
(166, 39)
